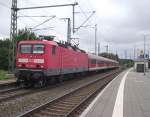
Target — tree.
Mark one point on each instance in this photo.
(4, 51)
(25, 34)
(126, 63)
(109, 55)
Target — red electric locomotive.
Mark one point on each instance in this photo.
(39, 60)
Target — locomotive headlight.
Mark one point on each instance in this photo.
(23, 60)
(38, 60)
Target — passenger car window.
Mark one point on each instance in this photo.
(93, 61)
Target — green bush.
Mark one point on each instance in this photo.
(3, 75)
(4, 45)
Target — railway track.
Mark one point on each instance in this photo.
(12, 93)
(69, 104)
(8, 90)
(16, 92)
(6, 86)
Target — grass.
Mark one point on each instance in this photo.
(3, 75)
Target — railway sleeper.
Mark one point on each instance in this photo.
(57, 110)
(50, 114)
(72, 101)
(78, 100)
(63, 105)
(79, 95)
(68, 103)
(76, 97)
(37, 115)
(60, 107)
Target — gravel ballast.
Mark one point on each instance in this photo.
(20, 105)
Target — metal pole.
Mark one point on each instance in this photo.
(73, 19)
(125, 52)
(13, 33)
(98, 48)
(148, 51)
(69, 31)
(144, 55)
(106, 49)
(135, 55)
(95, 39)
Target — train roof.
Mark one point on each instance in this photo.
(64, 44)
(92, 56)
(38, 42)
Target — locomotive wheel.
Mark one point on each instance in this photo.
(40, 83)
(25, 85)
(39, 80)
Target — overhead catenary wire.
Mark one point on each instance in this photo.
(47, 28)
(52, 6)
(85, 21)
(90, 5)
(83, 12)
(41, 7)
(91, 9)
(29, 3)
(32, 18)
(49, 6)
(43, 22)
(35, 16)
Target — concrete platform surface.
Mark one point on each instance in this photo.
(128, 95)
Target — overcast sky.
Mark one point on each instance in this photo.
(121, 23)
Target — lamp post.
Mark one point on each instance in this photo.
(144, 55)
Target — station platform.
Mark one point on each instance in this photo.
(128, 95)
(7, 81)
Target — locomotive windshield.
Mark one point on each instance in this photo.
(26, 48)
(32, 48)
(38, 49)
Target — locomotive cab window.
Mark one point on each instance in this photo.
(38, 49)
(25, 48)
(53, 50)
